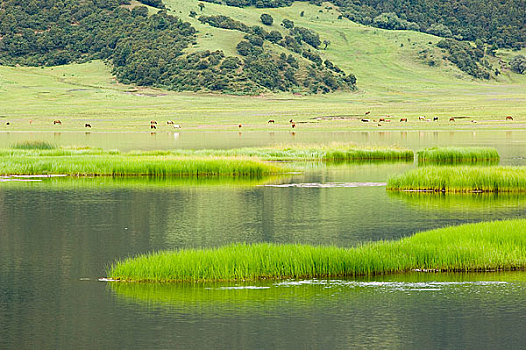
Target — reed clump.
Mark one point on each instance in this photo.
(451, 155)
(459, 179)
(489, 246)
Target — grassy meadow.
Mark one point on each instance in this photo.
(458, 179)
(489, 246)
(392, 80)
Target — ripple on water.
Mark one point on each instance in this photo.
(388, 285)
(329, 184)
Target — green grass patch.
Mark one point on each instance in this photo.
(461, 179)
(38, 145)
(451, 155)
(37, 160)
(87, 162)
(333, 152)
(499, 245)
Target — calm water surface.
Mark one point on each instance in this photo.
(56, 238)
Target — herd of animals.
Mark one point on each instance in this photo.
(387, 119)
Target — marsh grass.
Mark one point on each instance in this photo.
(122, 165)
(333, 152)
(93, 162)
(499, 245)
(461, 179)
(452, 155)
(36, 145)
(237, 162)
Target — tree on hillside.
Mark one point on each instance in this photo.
(326, 43)
(266, 19)
(287, 23)
(201, 6)
(518, 64)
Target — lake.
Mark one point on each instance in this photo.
(58, 235)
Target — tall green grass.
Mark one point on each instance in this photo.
(461, 179)
(93, 163)
(450, 155)
(302, 152)
(31, 159)
(37, 145)
(499, 245)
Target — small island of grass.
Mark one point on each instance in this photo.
(451, 155)
(458, 179)
(489, 246)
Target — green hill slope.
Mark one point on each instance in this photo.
(392, 69)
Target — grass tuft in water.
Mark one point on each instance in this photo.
(499, 245)
(461, 179)
(451, 155)
(37, 145)
(303, 152)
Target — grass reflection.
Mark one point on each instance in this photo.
(139, 182)
(260, 296)
(461, 201)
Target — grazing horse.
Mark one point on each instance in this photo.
(170, 122)
(381, 120)
(57, 122)
(87, 125)
(293, 125)
(435, 119)
(177, 126)
(271, 121)
(8, 123)
(153, 122)
(291, 121)
(152, 126)
(509, 117)
(452, 119)
(240, 126)
(368, 112)
(421, 118)
(30, 121)
(365, 120)
(403, 120)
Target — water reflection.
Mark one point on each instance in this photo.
(432, 311)
(508, 143)
(248, 296)
(462, 202)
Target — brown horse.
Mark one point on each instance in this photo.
(403, 120)
(509, 117)
(452, 119)
(152, 126)
(55, 122)
(271, 121)
(87, 125)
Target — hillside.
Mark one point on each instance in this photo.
(146, 47)
(392, 69)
